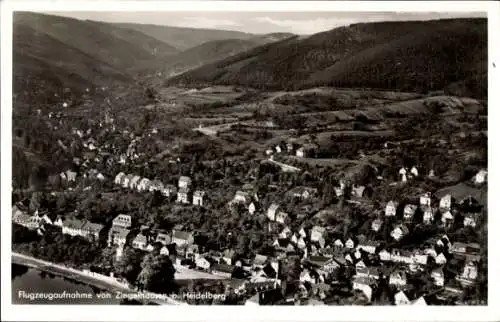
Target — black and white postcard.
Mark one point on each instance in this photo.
(250, 160)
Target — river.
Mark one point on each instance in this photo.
(28, 283)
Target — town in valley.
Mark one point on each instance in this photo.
(348, 167)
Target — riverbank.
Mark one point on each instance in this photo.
(113, 287)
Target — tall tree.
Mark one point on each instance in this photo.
(157, 274)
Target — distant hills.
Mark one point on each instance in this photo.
(184, 38)
(52, 53)
(215, 50)
(446, 54)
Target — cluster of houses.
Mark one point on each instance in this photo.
(445, 207)
(183, 191)
(73, 226)
(304, 151)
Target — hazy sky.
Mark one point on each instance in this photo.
(260, 22)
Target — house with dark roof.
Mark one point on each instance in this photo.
(73, 227)
(92, 231)
(118, 236)
(183, 195)
(181, 238)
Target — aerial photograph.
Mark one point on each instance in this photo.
(249, 158)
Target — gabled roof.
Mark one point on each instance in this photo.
(185, 179)
(120, 231)
(392, 203)
(199, 193)
(140, 238)
(184, 235)
(362, 280)
(403, 229)
(273, 207)
(92, 227)
(259, 259)
(73, 223)
(318, 260)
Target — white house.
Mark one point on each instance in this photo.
(281, 217)
(164, 251)
(363, 284)
(471, 219)
(251, 208)
(184, 182)
(438, 276)
(183, 195)
(428, 217)
(368, 246)
(420, 257)
(140, 242)
(119, 177)
(317, 233)
(301, 244)
(272, 211)
(481, 176)
(126, 180)
(169, 190)
(338, 243)
(384, 255)
(198, 197)
(134, 182)
(445, 202)
(409, 212)
(71, 176)
(398, 278)
(440, 259)
(122, 220)
(401, 299)
(181, 238)
(156, 185)
(402, 256)
(390, 209)
(447, 218)
(469, 272)
(285, 233)
(241, 197)
(144, 184)
(305, 276)
(425, 200)
(399, 232)
(420, 301)
(349, 243)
